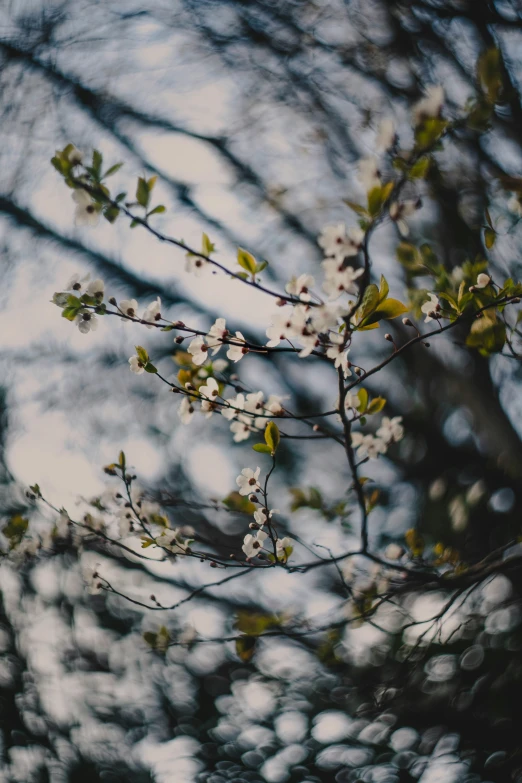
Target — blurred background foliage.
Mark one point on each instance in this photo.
(253, 115)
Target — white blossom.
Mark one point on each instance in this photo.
(483, 280)
(86, 213)
(338, 242)
(219, 365)
(393, 552)
(430, 308)
(196, 265)
(310, 342)
(282, 544)
(300, 286)
(338, 353)
(92, 580)
(152, 312)
(96, 288)
(247, 481)
(262, 515)
(199, 350)
(401, 210)
(368, 445)
(430, 105)
(369, 174)
(217, 332)
(273, 404)
(339, 278)
(241, 429)
(86, 321)
(186, 410)
(391, 430)
(236, 403)
(210, 391)
(252, 544)
(77, 283)
(136, 365)
(386, 135)
(236, 352)
(129, 307)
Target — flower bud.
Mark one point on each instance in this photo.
(213, 564)
(253, 499)
(112, 301)
(407, 322)
(388, 337)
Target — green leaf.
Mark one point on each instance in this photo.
(487, 334)
(149, 367)
(121, 460)
(239, 503)
(246, 260)
(489, 73)
(363, 400)
(262, 265)
(157, 210)
(262, 448)
(360, 210)
(449, 299)
(142, 192)
(420, 169)
(376, 405)
(111, 213)
(272, 436)
(151, 182)
(97, 160)
(15, 530)
(375, 200)
(390, 308)
(207, 247)
(245, 648)
(369, 302)
(112, 170)
(142, 354)
(384, 289)
(489, 237)
(70, 313)
(150, 638)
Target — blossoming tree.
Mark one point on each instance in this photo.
(322, 319)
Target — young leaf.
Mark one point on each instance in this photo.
(157, 210)
(384, 289)
(363, 400)
(245, 647)
(246, 260)
(272, 437)
(207, 247)
(489, 237)
(376, 405)
(142, 192)
(112, 170)
(142, 354)
(262, 448)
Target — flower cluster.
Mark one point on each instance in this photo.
(390, 431)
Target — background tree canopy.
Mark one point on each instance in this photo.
(253, 116)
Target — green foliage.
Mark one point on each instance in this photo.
(246, 261)
(376, 306)
(312, 498)
(272, 437)
(15, 530)
(489, 74)
(159, 641)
